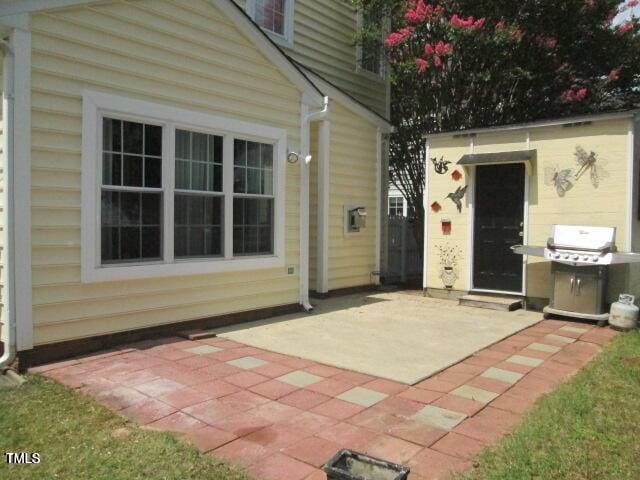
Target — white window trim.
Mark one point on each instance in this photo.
(285, 40)
(95, 105)
(378, 77)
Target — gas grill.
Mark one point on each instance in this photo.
(580, 258)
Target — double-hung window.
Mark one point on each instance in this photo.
(275, 17)
(396, 206)
(370, 58)
(168, 191)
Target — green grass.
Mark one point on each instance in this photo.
(586, 429)
(79, 439)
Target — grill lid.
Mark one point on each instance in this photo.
(576, 237)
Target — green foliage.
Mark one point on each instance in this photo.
(77, 438)
(586, 429)
(525, 60)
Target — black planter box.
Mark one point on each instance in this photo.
(350, 465)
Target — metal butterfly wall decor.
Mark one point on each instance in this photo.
(560, 179)
(589, 162)
(441, 166)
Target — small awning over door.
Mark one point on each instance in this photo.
(516, 156)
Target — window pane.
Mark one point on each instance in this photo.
(132, 137)
(130, 208)
(183, 175)
(239, 152)
(129, 243)
(132, 171)
(153, 140)
(153, 172)
(199, 147)
(267, 182)
(198, 176)
(253, 180)
(253, 230)
(239, 180)
(215, 149)
(183, 144)
(253, 154)
(131, 226)
(195, 153)
(267, 155)
(267, 13)
(198, 226)
(111, 169)
(111, 135)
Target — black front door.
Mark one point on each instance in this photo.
(499, 220)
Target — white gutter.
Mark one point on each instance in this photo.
(305, 167)
(8, 300)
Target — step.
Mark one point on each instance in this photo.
(504, 304)
(198, 334)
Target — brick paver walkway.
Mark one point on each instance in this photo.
(284, 417)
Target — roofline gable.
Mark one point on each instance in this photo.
(311, 93)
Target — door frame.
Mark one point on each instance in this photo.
(471, 199)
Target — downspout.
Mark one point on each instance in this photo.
(8, 313)
(305, 167)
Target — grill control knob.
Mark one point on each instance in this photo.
(594, 259)
(575, 257)
(556, 255)
(585, 258)
(566, 256)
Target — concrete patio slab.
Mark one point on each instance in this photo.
(300, 379)
(560, 338)
(203, 349)
(362, 396)
(506, 376)
(363, 332)
(542, 347)
(526, 361)
(476, 394)
(247, 363)
(439, 417)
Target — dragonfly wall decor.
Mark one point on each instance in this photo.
(588, 162)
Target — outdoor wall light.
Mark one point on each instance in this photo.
(293, 157)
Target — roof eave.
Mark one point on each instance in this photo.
(593, 117)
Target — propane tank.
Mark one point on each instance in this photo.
(624, 313)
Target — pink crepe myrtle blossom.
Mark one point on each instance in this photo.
(549, 43)
(572, 95)
(440, 48)
(422, 65)
(614, 75)
(500, 25)
(633, 3)
(516, 34)
(437, 61)
(626, 26)
(398, 37)
(469, 22)
(422, 12)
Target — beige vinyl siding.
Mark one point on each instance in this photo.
(352, 182)
(605, 205)
(323, 42)
(181, 53)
